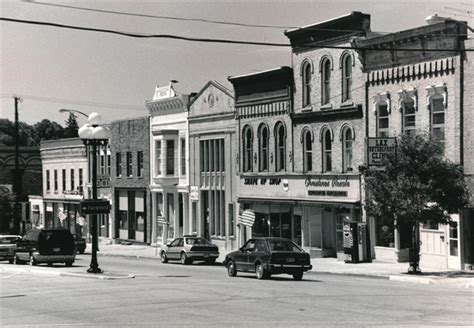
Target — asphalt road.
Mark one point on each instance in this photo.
(172, 295)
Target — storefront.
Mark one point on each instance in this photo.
(66, 214)
(310, 210)
(131, 214)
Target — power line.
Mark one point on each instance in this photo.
(77, 102)
(220, 41)
(200, 20)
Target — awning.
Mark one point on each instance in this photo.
(247, 218)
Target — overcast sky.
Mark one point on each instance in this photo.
(54, 68)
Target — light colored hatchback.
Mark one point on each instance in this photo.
(8, 247)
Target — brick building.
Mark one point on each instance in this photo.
(328, 130)
(130, 179)
(412, 92)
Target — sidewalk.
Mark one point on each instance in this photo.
(376, 269)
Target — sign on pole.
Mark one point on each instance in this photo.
(95, 206)
(194, 193)
(378, 148)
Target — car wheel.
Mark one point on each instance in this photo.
(184, 258)
(260, 272)
(16, 260)
(298, 275)
(231, 269)
(164, 258)
(68, 263)
(11, 261)
(32, 260)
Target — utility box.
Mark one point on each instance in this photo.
(355, 242)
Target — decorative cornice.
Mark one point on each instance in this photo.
(328, 115)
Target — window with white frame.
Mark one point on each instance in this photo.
(307, 151)
(48, 182)
(327, 150)
(118, 164)
(306, 79)
(158, 147)
(438, 120)
(139, 163)
(183, 156)
(170, 156)
(81, 180)
(263, 154)
(247, 140)
(347, 142)
(280, 147)
(325, 81)
(408, 117)
(73, 183)
(346, 77)
(55, 180)
(64, 180)
(383, 124)
(129, 164)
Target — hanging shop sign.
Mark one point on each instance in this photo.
(378, 148)
(194, 193)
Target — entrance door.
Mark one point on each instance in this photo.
(453, 250)
(328, 230)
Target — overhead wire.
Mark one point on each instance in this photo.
(220, 41)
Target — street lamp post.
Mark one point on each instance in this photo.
(94, 135)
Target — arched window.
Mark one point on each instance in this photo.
(408, 117)
(306, 78)
(437, 120)
(307, 151)
(346, 77)
(325, 81)
(347, 141)
(247, 139)
(382, 120)
(327, 150)
(263, 139)
(280, 147)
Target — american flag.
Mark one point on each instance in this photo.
(247, 218)
(61, 216)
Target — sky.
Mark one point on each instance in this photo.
(53, 68)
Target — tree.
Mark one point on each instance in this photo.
(48, 130)
(6, 209)
(71, 126)
(418, 185)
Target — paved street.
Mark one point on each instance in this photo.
(172, 295)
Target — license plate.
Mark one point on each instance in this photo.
(290, 260)
(56, 249)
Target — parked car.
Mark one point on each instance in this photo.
(8, 246)
(80, 243)
(188, 249)
(267, 256)
(46, 246)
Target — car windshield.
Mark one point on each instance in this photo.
(197, 241)
(283, 245)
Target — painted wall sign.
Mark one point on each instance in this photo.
(378, 148)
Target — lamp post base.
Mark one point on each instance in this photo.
(94, 270)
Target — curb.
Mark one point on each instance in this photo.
(419, 280)
(47, 272)
(359, 275)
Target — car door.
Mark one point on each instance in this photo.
(173, 249)
(242, 258)
(257, 253)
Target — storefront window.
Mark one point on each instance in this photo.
(170, 215)
(385, 234)
(140, 211)
(123, 217)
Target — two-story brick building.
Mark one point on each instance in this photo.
(423, 91)
(130, 179)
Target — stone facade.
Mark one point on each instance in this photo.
(130, 179)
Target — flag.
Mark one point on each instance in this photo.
(247, 218)
(61, 216)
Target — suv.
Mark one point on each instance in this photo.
(46, 246)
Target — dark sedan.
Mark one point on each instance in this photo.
(267, 256)
(188, 249)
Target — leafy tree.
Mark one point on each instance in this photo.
(418, 185)
(71, 126)
(48, 130)
(6, 209)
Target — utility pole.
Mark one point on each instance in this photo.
(17, 184)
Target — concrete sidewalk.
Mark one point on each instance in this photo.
(377, 269)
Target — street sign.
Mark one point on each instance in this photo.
(378, 148)
(95, 206)
(194, 193)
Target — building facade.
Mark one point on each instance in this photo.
(328, 131)
(65, 172)
(212, 166)
(169, 170)
(423, 91)
(130, 179)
